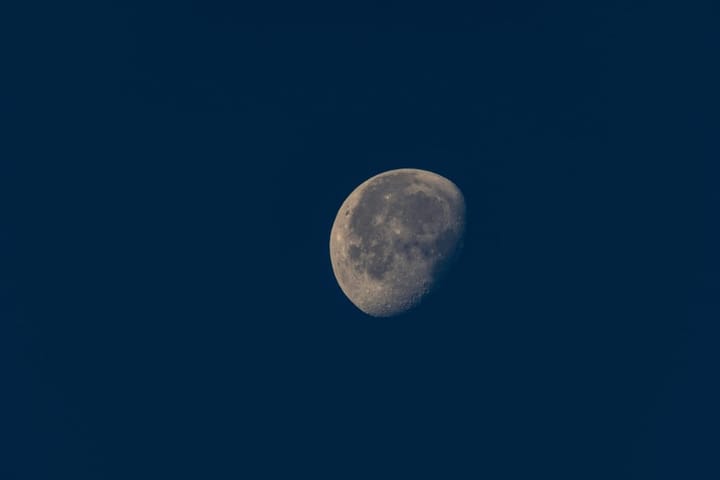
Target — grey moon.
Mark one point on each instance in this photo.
(394, 238)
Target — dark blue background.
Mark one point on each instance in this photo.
(168, 305)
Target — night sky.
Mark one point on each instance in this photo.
(170, 177)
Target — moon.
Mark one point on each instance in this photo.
(394, 239)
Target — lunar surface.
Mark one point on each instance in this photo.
(395, 237)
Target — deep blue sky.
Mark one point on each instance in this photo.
(168, 306)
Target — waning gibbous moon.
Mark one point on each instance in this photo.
(394, 238)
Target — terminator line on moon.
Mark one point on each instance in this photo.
(394, 238)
